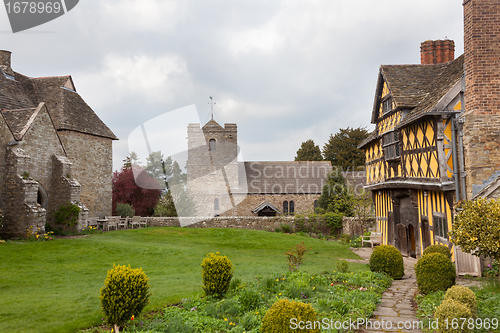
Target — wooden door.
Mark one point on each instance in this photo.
(402, 239)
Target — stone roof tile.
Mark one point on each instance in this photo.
(279, 177)
(420, 87)
(67, 108)
(19, 121)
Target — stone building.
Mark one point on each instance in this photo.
(220, 185)
(437, 136)
(53, 150)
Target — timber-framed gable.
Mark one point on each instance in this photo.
(409, 155)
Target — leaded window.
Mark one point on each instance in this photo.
(387, 105)
(285, 207)
(440, 224)
(292, 207)
(390, 144)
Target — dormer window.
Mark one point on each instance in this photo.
(211, 145)
(10, 77)
(387, 105)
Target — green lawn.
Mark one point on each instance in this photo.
(54, 286)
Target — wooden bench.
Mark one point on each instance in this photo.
(136, 220)
(374, 238)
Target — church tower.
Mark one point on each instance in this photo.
(212, 167)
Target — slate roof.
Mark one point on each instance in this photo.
(66, 107)
(416, 87)
(19, 121)
(279, 177)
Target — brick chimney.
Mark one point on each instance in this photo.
(482, 93)
(5, 62)
(437, 51)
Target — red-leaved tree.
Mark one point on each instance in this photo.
(125, 190)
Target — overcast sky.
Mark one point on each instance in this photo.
(284, 71)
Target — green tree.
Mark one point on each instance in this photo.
(165, 206)
(130, 160)
(335, 196)
(477, 227)
(342, 148)
(308, 151)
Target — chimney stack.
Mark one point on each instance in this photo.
(481, 137)
(437, 51)
(5, 62)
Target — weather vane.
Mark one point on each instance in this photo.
(211, 106)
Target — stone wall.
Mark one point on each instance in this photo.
(353, 226)
(93, 168)
(304, 203)
(5, 137)
(64, 189)
(20, 197)
(243, 222)
(41, 142)
(250, 222)
(211, 173)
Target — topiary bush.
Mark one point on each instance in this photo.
(463, 295)
(278, 318)
(387, 259)
(438, 248)
(434, 272)
(124, 210)
(448, 315)
(125, 294)
(217, 272)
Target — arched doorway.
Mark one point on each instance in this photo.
(42, 198)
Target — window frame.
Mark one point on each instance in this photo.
(440, 225)
(390, 145)
(212, 145)
(386, 102)
(291, 207)
(285, 207)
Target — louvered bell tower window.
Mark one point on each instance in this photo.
(211, 145)
(390, 144)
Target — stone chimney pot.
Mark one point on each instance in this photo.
(5, 62)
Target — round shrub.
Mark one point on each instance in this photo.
(125, 294)
(463, 295)
(448, 315)
(438, 248)
(434, 272)
(279, 318)
(387, 259)
(217, 272)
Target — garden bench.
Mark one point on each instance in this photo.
(123, 222)
(112, 222)
(136, 220)
(143, 222)
(374, 238)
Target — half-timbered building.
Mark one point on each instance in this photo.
(437, 135)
